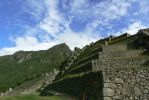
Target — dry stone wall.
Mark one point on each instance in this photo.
(122, 66)
(112, 48)
(125, 73)
(128, 84)
(99, 65)
(128, 54)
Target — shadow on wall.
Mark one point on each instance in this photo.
(146, 64)
(87, 87)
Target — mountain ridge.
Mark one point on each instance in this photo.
(30, 64)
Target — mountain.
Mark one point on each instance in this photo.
(114, 68)
(28, 65)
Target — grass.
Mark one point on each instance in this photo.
(34, 97)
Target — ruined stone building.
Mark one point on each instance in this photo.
(114, 68)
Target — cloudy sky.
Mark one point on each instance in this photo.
(40, 24)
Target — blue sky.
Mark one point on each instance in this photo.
(40, 24)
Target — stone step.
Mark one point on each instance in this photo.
(115, 54)
(85, 67)
(113, 48)
(86, 59)
(88, 54)
(98, 65)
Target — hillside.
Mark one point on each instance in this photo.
(114, 68)
(27, 65)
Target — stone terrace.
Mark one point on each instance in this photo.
(114, 68)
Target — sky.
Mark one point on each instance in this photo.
(33, 25)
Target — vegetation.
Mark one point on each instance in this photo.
(23, 66)
(78, 80)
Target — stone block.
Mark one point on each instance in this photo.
(109, 85)
(107, 80)
(119, 97)
(107, 98)
(131, 98)
(118, 92)
(108, 92)
(118, 80)
(137, 91)
(128, 90)
(145, 91)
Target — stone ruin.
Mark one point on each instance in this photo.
(114, 68)
(70, 60)
(123, 74)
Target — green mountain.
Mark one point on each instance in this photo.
(27, 65)
(114, 68)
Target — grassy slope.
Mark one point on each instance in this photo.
(22, 66)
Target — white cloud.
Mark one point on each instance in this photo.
(113, 9)
(59, 28)
(53, 21)
(26, 41)
(132, 28)
(101, 13)
(33, 8)
(76, 39)
(32, 44)
(107, 9)
(26, 44)
(55, 25)
(144, 6)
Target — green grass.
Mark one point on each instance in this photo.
(34, 97)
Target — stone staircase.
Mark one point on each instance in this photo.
(125, 76)
(111, 57)
(111, 67)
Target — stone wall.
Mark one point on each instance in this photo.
(88, 86)
(126, 84)
(99, 65)
(124, 79)
(70, 61)
(134, 53)
(125, 73)
(117, 71)
(111, 48)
